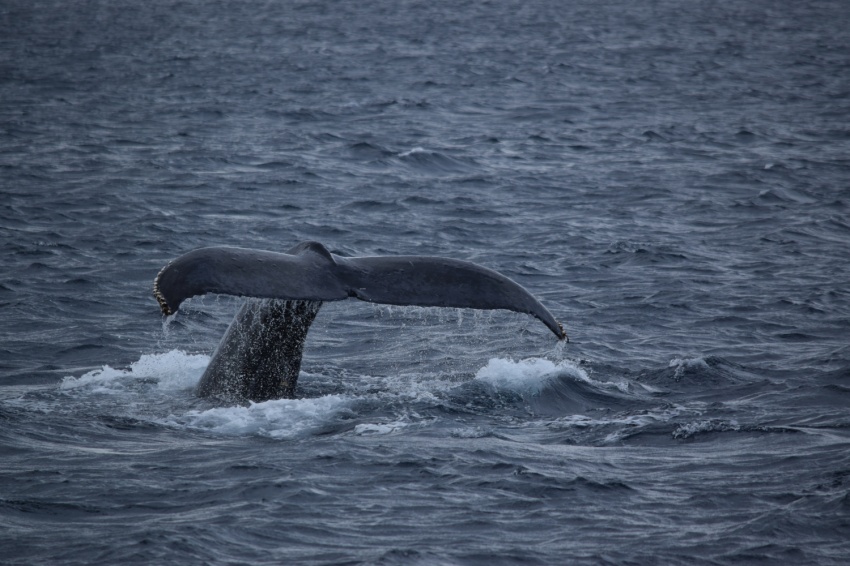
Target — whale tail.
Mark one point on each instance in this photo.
(259, 356)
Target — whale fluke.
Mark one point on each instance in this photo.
(294, 285)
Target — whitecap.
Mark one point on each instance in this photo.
(525, 376)
(413, 151)
(530, 376)
(174, 370)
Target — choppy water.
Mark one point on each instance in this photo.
(670, 179)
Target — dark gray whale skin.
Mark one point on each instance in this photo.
(259, 356)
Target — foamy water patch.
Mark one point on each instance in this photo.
(685, 364)
(406, 420)
(171, 371)
(691, 429)
(380, 428)
(530, 376)
(280, 418)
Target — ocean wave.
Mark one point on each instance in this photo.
(437, 163)
(174, 370)
(278, 419)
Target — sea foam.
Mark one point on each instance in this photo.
(174, 370)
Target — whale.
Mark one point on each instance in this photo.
(259, 357)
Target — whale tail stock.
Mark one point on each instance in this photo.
(259, 356)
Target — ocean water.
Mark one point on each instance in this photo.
(671, 179)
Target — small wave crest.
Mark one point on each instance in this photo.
(682, 365)
(543, 387)
(436, 162)
(174, 370)
(531, 376)
(695, 373)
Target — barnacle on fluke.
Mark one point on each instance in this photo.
(160, 298)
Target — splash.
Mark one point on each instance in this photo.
(530, 375)
(174, 370)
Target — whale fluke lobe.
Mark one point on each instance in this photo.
(259, 356)
(305, 272)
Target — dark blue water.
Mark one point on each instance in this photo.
(670, 179)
